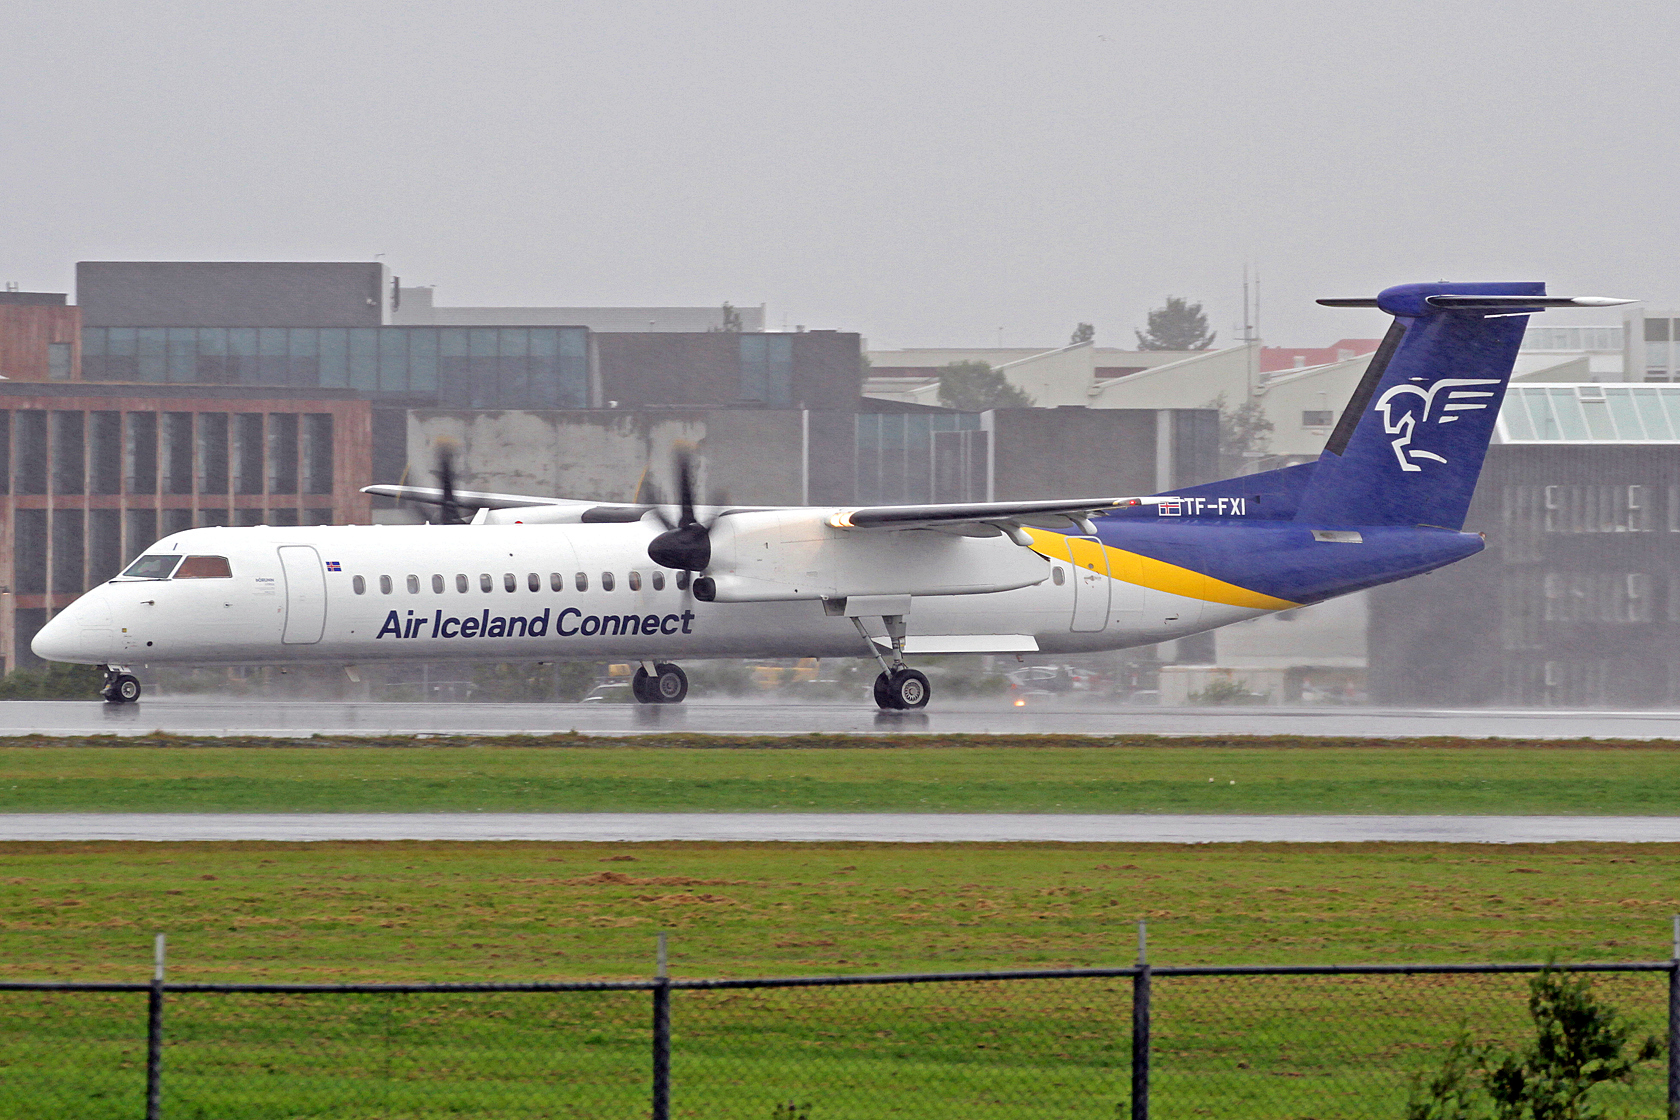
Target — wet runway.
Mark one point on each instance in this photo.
(206, 716)
(832, 827)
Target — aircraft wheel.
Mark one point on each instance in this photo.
(641, 686)
(905, 690)
(909, 689)
(124, 688)
(670, 686)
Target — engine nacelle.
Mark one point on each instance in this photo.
(796, 554)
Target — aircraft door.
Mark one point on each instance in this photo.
(306, 594)
(1091, 583)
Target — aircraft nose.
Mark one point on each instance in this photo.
(82, 632)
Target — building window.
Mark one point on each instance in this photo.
(282, 453)
(139, 452)
(69, 454)
(767, 368)
(1317, 418)
(58, 361)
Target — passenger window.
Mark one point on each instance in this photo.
(485, 583)
(152, 567)
(583, 581)
(534, 582)
(384, 585)
(508, 582)
(414, 585)
(659, 581)
(358, 585)
(1057, 577)
(606, 581)
(204, 567)
(461, 583)
(682, 581)
(437, 585)
(556, 581)
(635, 581)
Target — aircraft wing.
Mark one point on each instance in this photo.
(978, 514)
(478, 499)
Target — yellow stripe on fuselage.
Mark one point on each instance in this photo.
(1157, 575)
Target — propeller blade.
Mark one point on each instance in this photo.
(687, 545)
(449, 511)
(685, 489)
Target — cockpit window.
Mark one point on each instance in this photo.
(152, 567)
(204, 567)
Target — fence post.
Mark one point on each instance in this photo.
(1140, 1028)
(661, 1109)
(154, 1035)
(1674, 1025)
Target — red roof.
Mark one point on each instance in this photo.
(1280, 359)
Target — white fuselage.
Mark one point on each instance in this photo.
(292, 597)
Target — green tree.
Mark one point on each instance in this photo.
(731, 320)
(1179, 325)
(1244, 431)
(1084, 332)
(974, 386)
(1579, 1042)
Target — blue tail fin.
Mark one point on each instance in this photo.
(1410, 445)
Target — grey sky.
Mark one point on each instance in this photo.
(923, 172)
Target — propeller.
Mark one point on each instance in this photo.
(686, 543)
(449, 512)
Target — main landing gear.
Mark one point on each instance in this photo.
(899, 687)
(120, 687)
(661, 683)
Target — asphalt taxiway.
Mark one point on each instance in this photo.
(213, 716)
(833, 827)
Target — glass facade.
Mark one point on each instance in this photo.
(1590, 414)
(896, 462)
(1572, 338)
(457, 367)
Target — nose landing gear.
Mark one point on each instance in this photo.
(659, 683)
(120, 687)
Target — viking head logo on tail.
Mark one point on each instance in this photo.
(1407, 408)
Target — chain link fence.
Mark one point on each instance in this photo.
(1264, 1042)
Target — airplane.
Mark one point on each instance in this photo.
(542, 579)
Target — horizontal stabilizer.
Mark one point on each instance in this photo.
(1451, 302)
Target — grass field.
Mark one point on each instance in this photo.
(835, 774)
(1326, 1047)
(1256, 1047)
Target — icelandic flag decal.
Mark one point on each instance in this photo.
(332, 566)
